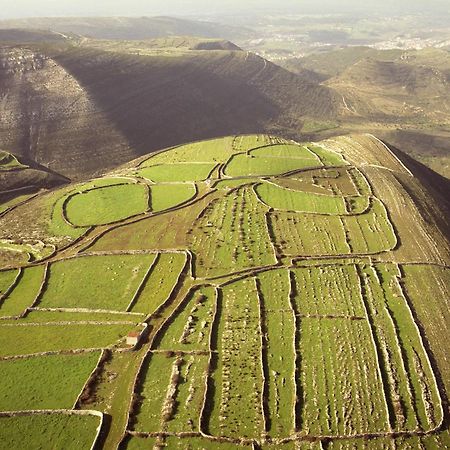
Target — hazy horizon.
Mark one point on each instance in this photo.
(86, 8)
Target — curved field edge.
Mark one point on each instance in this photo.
(347, 300)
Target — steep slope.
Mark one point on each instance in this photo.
(398, 90)
(49, 118)
(308, 282)
(332, 63)
(400, 95)
(19, 174)
(79, 110)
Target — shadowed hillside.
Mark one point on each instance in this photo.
(69, 107)
(17, 174)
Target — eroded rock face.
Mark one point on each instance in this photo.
(48, 117)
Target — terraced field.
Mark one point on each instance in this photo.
(244, 292)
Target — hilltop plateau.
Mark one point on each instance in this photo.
(244, 292)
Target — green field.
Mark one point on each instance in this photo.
(306, 234)
(60, 431)
(232, 183)
(427, 289)
(14, 201)
(44, 382)
(190, 328)
(238, 367)
(109, 282)
(6, 280)
(165, 196)
(41, 316)
(25, 293)
(285, 199)
(247, 142)
(107, 204)
(215, 150)
(285, 151)
(53, 205)
(177, 172)
(160, 282)
(243, 165)
(56, 225)
(279, 353)
(404, 357)
(327, 157)
(293, 297)
(172, 393)
(224, 237)
(328, 290)
(339, 379)
(370, 232)
(31, 339)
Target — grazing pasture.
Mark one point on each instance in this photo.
(165, 196)
(24, 293)
(108, 282)
(177, 172)
(107, 204)
(44, 382)
(61, 431)
(243, 292)
(38, 338)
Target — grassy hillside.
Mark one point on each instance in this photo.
(128, 27)
(400, 95)
(306, 282)
(28, 36)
